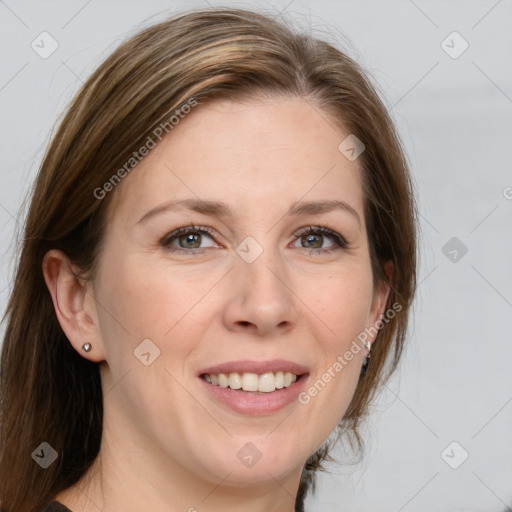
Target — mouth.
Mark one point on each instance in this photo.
(255, 388)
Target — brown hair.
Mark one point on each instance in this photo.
(48, 391)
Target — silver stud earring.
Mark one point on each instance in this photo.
(368, 346)
(86, 347)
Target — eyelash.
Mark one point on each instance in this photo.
(340, 241)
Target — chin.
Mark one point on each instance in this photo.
(253, 460)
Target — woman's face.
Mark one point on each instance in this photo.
(254, 294)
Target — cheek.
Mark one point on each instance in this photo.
(342, 303)
(153, 301)
(164, 306)
(149, 299)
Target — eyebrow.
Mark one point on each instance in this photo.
(222, 210)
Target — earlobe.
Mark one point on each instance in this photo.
(73, 311)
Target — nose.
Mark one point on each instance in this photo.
(260, 297)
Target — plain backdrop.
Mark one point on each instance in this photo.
(440, 437)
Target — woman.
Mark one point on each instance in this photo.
(221, 228)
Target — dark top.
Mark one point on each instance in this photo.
(55, 506)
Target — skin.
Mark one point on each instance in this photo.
(167, 445)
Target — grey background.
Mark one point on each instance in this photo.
(455, 118)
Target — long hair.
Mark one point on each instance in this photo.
(49, 393)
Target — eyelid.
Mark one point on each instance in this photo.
(185, 230)
(340, 242)
(322, 230)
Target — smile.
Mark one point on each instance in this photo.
(255, 388)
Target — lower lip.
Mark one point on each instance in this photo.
(256, 404)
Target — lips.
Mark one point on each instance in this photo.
(260, 367)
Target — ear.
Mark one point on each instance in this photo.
(74, 304)
(380, 298)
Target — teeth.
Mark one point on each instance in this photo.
(279, 380)
(250, 381)
(223, 380)
(265, 383)
(235, 381)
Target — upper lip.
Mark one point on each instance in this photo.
(247, 366)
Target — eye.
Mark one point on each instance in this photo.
(189, 237)
(314, 237)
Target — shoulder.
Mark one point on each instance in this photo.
(54, 506)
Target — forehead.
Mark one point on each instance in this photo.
(269, 152)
